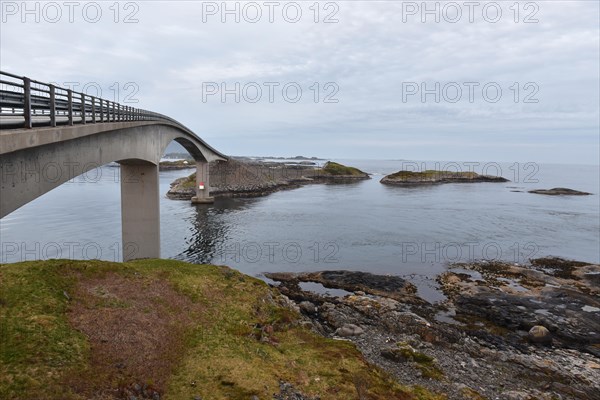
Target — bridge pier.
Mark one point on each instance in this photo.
(202, 180)
(140, 210)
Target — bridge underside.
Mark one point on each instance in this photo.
(37, 161)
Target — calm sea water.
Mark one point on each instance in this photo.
(413, 232)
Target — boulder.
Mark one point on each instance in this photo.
(349, 330)
(307, 307)
(539, 334)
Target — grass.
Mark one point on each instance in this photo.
(471, 394)
(241, 344)
(188, 182)
(333, 168)
(423, 362)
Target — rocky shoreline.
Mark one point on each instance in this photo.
(236, 178)
(176, 165)
(506, 331)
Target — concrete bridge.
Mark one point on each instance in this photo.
(50, 135)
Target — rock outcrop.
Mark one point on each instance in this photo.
(514, 332)
(430, 177)
(236, 178)
(559, 192)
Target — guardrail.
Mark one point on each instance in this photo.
(25, 103)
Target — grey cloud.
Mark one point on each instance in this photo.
(170, 53)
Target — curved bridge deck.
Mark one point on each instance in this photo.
(43, 125)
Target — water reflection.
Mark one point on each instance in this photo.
(211, 229)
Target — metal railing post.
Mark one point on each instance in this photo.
(27, 102)
(93, 110)
(70, 105)
(52, 106)
(83, 114)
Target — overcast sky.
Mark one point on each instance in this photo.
(361, 73)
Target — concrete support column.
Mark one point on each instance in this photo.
(202, 180)
(140, 210)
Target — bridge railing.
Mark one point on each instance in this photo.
(25, 103)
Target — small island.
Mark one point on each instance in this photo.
(246, 178)
(335, 171)
(559, 192)
(429, 177)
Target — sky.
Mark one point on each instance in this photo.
(481, 81)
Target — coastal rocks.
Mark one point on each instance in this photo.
(288, 392)
(485, 351)
(307, 307)
(559, 192)
(402, 352)
(539, 334)
(182, 188)
(393, 287)
(140, 391)
(175, 165)
(522, 395)
(515, 299)
(409, 178)
(349, 330)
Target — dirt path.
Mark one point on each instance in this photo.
(134, 326)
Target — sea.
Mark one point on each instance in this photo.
(414, 232)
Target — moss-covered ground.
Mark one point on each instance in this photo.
(226, 336)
